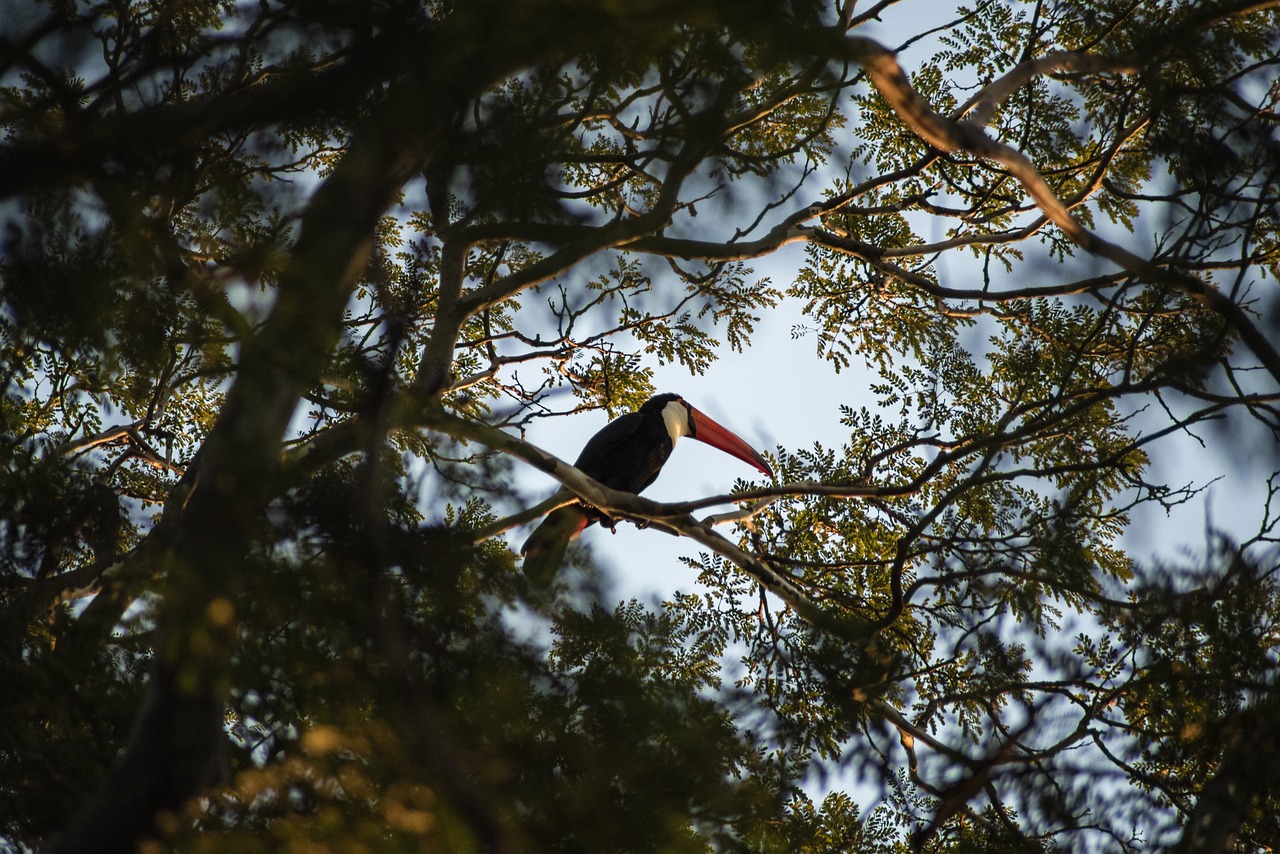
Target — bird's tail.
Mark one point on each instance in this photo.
(544, 550)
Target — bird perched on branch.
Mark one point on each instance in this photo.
(627, 455)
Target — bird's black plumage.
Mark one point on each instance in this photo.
(630, 450)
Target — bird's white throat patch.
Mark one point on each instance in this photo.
(676, 417)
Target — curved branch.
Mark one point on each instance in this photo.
(979, 109)
(945, 134)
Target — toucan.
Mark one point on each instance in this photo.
(626, 455)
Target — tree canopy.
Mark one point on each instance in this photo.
(286, 284)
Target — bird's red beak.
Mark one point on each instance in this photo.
(706, 430)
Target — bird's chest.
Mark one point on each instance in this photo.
(638, 465)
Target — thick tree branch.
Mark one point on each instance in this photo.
(178, 730)
(1248, 770)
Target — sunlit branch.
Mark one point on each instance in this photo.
(980, 108)
(741, 515)
(944, 134)
(104, 437)
(524, 517)
(916, 733)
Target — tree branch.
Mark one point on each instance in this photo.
(947, 135)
